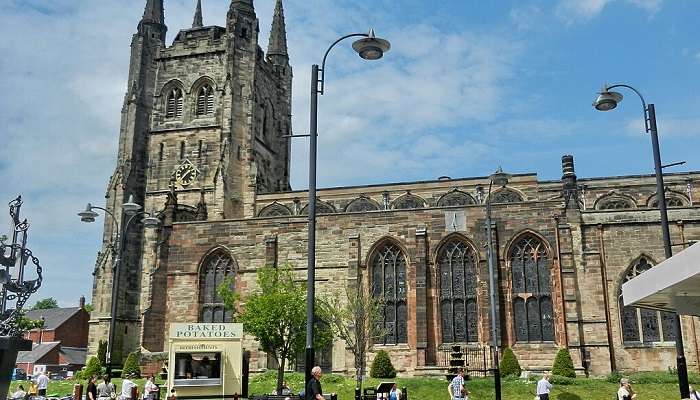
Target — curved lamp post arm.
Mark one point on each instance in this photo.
(325, 55)
(116, 230)
(645, 109)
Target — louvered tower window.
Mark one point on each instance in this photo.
(216, 268)
(532, 291)
(389, 285)
(205, 101)
(175, 104)
(457, 264)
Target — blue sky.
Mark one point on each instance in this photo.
(466, 87)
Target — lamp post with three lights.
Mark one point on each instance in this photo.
(131, 210)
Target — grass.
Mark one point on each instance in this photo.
(650, 386)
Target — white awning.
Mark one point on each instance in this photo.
(673, 285)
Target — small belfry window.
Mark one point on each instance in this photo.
(175, 102)
(205, 101)
(642, 326)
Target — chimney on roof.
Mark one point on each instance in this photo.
(82, 302)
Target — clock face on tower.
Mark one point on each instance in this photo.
(185, 174)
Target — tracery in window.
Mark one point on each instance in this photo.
(388, 273)
(506, 195)
(216, 268)
(615, 203)
(205, 101)
(457, 268)
(455, 198)
(362, 204)
(274, 210)
(532, 293)
(408, 201)
(321, 208)
(175, 103)
(643, 325)
(672, 200)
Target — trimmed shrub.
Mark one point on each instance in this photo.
(382, 366)
(509, 364)
(102, 352)
(562, 380)
(563, 365)
(93, 367)
(131, 365)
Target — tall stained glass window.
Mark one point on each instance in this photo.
(458, 315)
(388, 265)
(216, 268)
(643, 325)
(532, 291)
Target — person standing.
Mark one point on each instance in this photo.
(456, 388)
(106, 389)
(625, 391)
(394, 393)
(313, 389)
(127, 386)
(91, 391)
(150, 390)
(42, 383)
(544, 387)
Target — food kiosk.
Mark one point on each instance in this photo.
(205, 360)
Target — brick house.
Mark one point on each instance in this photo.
(61, 344)
(202, 144)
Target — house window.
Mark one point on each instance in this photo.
(216, 268)
(532, 292)
(205, 101)
(643, 325)
(457, 268)
(174, 104)
(389, 285)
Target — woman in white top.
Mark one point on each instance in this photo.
(150, 390)
(625, 392)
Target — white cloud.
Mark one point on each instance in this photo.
(576, 10)
(676, 127)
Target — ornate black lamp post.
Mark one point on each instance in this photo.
(607, 101)
(369, 48)
(15, 288)
(131, 209)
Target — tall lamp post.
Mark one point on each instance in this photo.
(607, 101)
(132, 210)
(499, 178)
(368, 48)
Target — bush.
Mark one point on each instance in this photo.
(563, 365)
(102, 352)
(93, 367)
(509, 364)
(614, 377)
(562, 380)
(382, 366)
(131, 365)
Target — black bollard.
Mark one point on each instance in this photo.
(358, 394)
(404, 393)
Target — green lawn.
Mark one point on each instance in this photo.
(658, 386)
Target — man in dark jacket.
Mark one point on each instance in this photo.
(313, 389)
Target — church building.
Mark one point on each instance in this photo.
(202, 146)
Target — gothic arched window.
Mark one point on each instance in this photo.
(274, 210)
(321, 208)
(455, 198)
(532, 291)
(615, 203)
(458, 315)
(672, 200)
(215, 269)
(641, 325)
(506, 196)
(362, 204)
(388, 265)
(205, 101)
(175, 102)
(408, 201)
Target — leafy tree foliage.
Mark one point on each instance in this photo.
(45, 304)
(563, 365)
(89, 307)
(509, 364)
(275, 315)
(102, 352)
(131, 365)
(357, 321)
(93, 367)
(26, 324)
(382, 366)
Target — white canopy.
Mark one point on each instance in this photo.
(673, 285)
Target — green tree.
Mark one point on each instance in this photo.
(563, 365)
(102, 352)
(45, 304)
(93, 367)
(509, 364)
(357, 321)
(275, 314)
(382, 366)
(89, 307)
(26, 324)
(131, 365)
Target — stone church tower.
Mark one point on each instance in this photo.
(202, 133)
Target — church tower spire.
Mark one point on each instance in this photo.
(277, 46)
(154, 12)
(197, 22)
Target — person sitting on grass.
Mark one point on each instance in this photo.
(625, 392)
(19, 394)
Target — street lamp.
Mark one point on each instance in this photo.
(130, 208)
(368, 48)
(607, 101)
(499, 178)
